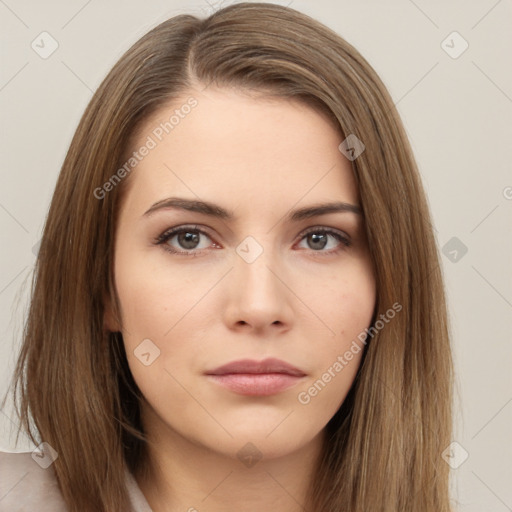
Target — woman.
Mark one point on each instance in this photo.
(237, 302)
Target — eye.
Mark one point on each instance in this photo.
(183, 240)
(186, 240)
(318, 239)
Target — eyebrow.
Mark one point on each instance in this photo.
(214, 210)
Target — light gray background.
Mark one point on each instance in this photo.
(457, 113)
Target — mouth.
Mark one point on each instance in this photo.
(256, 378)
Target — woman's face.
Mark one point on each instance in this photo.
(253, 274)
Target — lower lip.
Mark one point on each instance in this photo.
(261, 384)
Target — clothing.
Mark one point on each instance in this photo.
(25, 486)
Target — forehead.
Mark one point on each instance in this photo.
(239, 149)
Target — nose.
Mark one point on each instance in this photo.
(258, 298)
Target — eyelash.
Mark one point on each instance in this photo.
(170, 233)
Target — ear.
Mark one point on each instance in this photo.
(110, 322)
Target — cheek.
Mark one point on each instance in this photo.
(357, 307)
(152, 298)
(157, 306)
(345, 302)
(347, 307)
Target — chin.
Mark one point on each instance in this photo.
(258, 443)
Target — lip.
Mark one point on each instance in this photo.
(249, 366)
(256, 378)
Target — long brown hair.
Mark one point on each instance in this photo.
(383, 448)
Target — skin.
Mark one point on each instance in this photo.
(299, 301)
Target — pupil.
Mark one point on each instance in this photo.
(188, 240)
(319, 239)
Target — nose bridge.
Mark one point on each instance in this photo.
(252, 267)
(258, 297)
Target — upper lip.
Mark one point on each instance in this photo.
(249, 366)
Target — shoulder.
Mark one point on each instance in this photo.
(27, 486)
